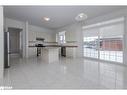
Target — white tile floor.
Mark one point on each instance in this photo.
(68, 73)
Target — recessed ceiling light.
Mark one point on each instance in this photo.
(81, 17)
(46, 18)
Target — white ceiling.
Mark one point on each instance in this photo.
(60, 15)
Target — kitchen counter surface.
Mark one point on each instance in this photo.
(56, 46)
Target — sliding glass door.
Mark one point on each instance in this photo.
(91, 43)
(104, 42)
(111, 43)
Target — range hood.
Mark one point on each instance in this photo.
(40, 39)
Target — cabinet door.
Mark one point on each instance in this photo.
(71, 52)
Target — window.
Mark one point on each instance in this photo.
(111, 38)
(60, 37)
(104, 42)
(91, 43)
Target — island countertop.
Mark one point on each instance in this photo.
(55, 46)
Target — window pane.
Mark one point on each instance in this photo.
(105, 41)
(91, 43)
(111, 38)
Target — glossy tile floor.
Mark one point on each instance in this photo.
(67, 73)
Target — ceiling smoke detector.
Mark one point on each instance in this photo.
(81, 17)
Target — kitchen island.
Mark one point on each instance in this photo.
(50, 53)
(66, 50)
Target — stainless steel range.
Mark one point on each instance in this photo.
(39, 44)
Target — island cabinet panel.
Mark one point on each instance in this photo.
(71, 52)
(50, 54)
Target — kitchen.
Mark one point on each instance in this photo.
(40, 40)
(54, 50)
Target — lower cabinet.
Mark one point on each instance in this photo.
(68, 52)
(32, 51)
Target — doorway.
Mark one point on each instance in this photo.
(14, 41)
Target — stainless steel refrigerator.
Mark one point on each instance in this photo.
(6, 50)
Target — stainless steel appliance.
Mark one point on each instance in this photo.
(6, 50)
(39, 44)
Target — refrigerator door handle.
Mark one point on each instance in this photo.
(8, 50)
(8, 42)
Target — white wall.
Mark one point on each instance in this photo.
(1, 43)
(125, 41)
(105, 17)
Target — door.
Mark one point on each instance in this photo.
(90, 41)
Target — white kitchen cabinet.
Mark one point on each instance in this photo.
(32, 51)
(71, 52)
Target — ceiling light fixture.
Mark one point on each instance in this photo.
(46, 18)
(81, 17)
